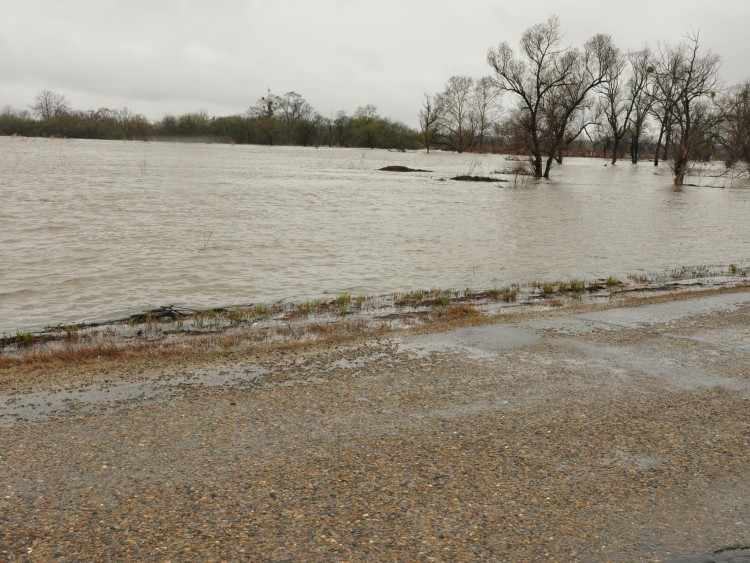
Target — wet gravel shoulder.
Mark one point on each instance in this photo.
(610, 434)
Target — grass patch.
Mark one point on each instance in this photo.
(71, 332)
(199, 319)
(509, 294)
(548, 288)
(460, 310)
(25, 339)
(342, 302)
(577, 286)
(237, 316)
(412, 298)
(639, 278)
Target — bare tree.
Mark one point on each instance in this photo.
(485, 111)
(735, 138)
(264, 112)
(590, 68)
(694, 79)
(625, 100)
(49, 104)
(615, 105)
(455, 124)
(663, 94)
(640, 96)
(340, 126)
(266, 106)
(550, 82)
(298, 118)
(429, 116)
(585, 116)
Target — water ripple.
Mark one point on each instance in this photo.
(88, 235)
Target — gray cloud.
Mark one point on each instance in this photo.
(161, 57)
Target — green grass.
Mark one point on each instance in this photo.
(343, 302)
(577, 286)
(343, 299)
(237, 315)
(494, 293)
(612, 281)
(199, 319)
(548, 288)
(509, 294)
(24, 339)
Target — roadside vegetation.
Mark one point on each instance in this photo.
(170, 332)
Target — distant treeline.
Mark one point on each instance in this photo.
(273, 120)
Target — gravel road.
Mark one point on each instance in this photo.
(588, 434)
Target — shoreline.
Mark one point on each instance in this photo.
(169, 335)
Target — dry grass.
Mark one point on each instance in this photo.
(457, 311)
(81, 354)
(232, 329)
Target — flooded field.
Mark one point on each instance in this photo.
(94, 230)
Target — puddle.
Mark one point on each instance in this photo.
(46, 405)
(637, 317)
(676, 371)
(483, 341)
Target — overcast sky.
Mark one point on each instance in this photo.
(175, 56)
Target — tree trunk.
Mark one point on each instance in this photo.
(634, 146)
(615, 150)
(559, 157)
(548, 166)
(680, 165)
(537, 162)
(658, 145)
(667, 142)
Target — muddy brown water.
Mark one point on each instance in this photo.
(95, 230)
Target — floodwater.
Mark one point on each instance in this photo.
(95, 230)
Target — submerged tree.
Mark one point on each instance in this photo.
(640, 95)
(692, 80)
(429, 116)
(625, 100)
(550, 84)
(485, 109)
(456, 126)
(735, 135)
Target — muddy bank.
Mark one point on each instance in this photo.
(172, 330)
